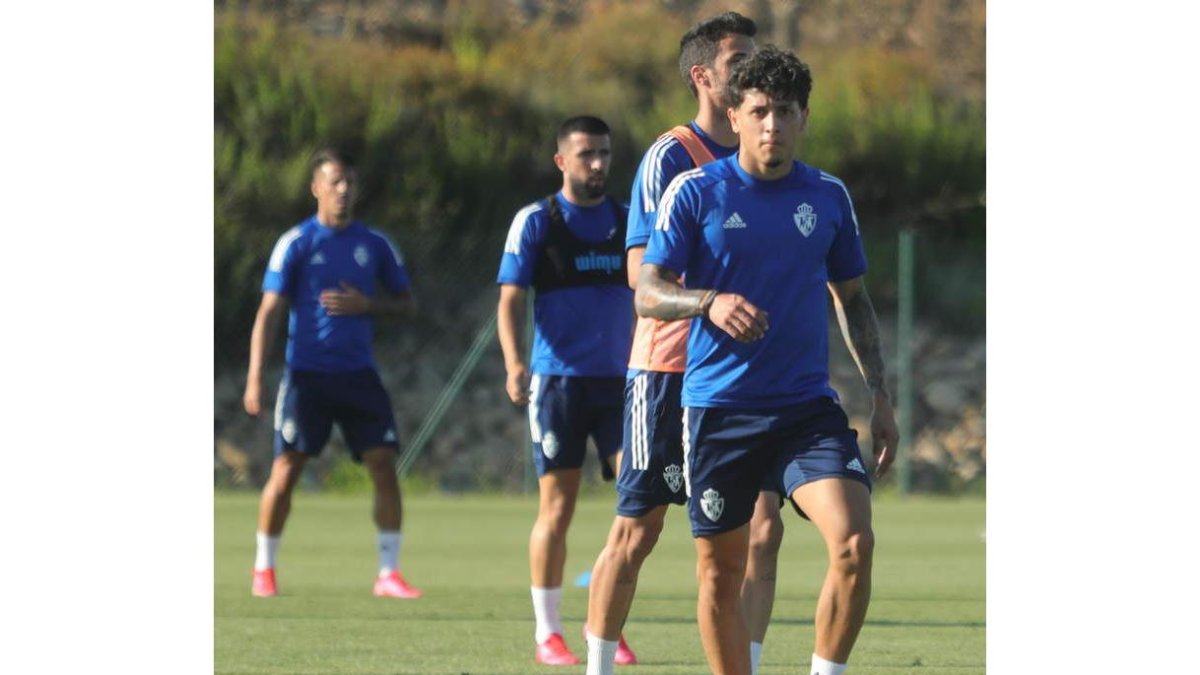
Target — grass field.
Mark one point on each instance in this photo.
(469, 555)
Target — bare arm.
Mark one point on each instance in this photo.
(860, 329)
(510, 320)
(633, 264)
(659, 296)
(266, 325)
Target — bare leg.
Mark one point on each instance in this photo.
(381, 465)
(841, 510)
(276, 501)
(758, 588)
(720, 568)
(615, 574)
(557, 491)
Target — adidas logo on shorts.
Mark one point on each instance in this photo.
(855, 465)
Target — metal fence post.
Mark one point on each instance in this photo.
(904, 357)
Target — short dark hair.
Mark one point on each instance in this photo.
(698, 46)
(776, 73)
(326, 155)
(592, 126)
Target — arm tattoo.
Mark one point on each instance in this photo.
(860, 329)
(659, 295)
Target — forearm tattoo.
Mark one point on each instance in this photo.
(659, 296)
(861, 330)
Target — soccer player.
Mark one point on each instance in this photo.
(760, 238)
(331, 274)
(651, 475)
(570, 248)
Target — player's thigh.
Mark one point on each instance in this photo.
(557, 422)
(652, 467)
(840, 508)
(605, 400)
(365, 413)
(726, 458)
(303, 414)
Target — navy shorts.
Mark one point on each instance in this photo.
(652, 462)
(564, 410)
(310, 402)
(732, 454)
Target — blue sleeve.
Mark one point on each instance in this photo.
(521, 246)
(392, 273)
(659, 167)
(282, 267)
(677, 227)
(846, 259)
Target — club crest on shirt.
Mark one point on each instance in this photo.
(550, 445)
(713, 504)
(360, 255)
(805, 219)
(674, 477)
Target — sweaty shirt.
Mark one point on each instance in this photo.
(577, 330)
(776, 243)
(660, 345)
(311, 258)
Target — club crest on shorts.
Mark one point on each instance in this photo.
(674, 477)
(360, 255)
(805, 219)
(550, 445)
(713, 504)
(288, 429)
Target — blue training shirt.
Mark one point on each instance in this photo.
(580, 330)
(663, 161)
(311, 258)
(776, 243)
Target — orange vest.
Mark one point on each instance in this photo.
(661, 346)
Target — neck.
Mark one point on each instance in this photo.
(760, 170)
(712, 119)
(333, 221)
(578, 199)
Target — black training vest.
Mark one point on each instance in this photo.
(566, 261)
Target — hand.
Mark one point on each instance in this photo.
(735, 315)
(884, 435)
(345, 302)
(517, 384)
(252, 398)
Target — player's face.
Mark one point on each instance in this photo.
(730, 50)
(584, 160)
(768, 131)
(333, 186)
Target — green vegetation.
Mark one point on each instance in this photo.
(469, 556)
(454, 135)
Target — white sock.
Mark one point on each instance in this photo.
(389, 551)
(822, 667)
(545, 612)
(755, 655)
(264, 556)
(601, 655)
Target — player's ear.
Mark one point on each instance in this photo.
(560, 161)
(804, 120)
(699, 76)
(731, 113)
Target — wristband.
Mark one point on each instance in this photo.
(706, 302)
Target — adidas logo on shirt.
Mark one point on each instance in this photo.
(318, 259)
(734, 222)
(856, 465)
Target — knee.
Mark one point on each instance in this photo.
(720, 577)
(639, 540)
(853, 554)
(766, 536)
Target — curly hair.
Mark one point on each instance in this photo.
(699, 46)
(774, 72)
